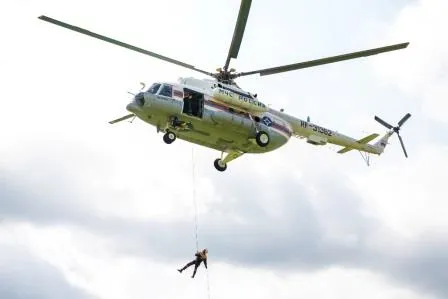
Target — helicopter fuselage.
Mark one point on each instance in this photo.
(208, 122)
(229, 123)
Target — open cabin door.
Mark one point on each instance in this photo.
(193, 103)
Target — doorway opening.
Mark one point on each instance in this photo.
(193, 103)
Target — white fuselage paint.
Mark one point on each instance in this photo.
(232, 129)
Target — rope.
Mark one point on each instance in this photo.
(196, 214)
(208, 285)
(194, 199)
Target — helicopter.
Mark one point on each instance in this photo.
(219, 114)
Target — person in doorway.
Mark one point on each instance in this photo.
(188, 99)
(201, 256)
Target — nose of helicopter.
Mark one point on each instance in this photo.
(132, 107)
(136, 103)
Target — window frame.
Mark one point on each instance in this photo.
(152, 85)
(166, 86)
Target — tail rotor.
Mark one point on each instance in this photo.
(396, 129)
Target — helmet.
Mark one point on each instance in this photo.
(205, 250)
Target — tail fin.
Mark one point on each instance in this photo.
(381, 144)
(378, 147)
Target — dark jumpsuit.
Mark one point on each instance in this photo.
(200, 257)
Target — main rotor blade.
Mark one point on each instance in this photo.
(402, 145)
(116, 42)
(405, 118)
(383, 122)
(326, 60)
(122, 118)
(238, 31)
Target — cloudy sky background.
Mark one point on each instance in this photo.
(91, 210)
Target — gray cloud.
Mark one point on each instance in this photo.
(242, 232)
(50, 204)
(240, 228)
(294, 241)
(25, 276)
(423, 265)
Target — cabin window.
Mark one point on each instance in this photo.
(154, 88)
(166, 91)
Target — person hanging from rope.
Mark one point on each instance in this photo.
(201, 256)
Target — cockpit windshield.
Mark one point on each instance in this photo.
(167, 90)
(154, 88)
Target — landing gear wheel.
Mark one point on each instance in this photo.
(169, 137)
(220, 165)
(262, 138)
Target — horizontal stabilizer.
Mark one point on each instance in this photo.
(363, 140)
(122, 118)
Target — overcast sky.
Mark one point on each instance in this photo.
(93, 210)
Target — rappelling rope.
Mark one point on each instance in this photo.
(208, 285)
(196, 221)
(194, 199)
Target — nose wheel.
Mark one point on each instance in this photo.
(220, 165)
(169, 137)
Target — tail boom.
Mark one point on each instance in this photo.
(362, 144)
(318, 135)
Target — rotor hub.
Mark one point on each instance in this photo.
(224, 76)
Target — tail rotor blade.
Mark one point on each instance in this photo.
(404, 119)
(402, 145)
(383, 122)
(396, 129)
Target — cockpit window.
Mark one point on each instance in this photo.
(154, 88)
(166, 91)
